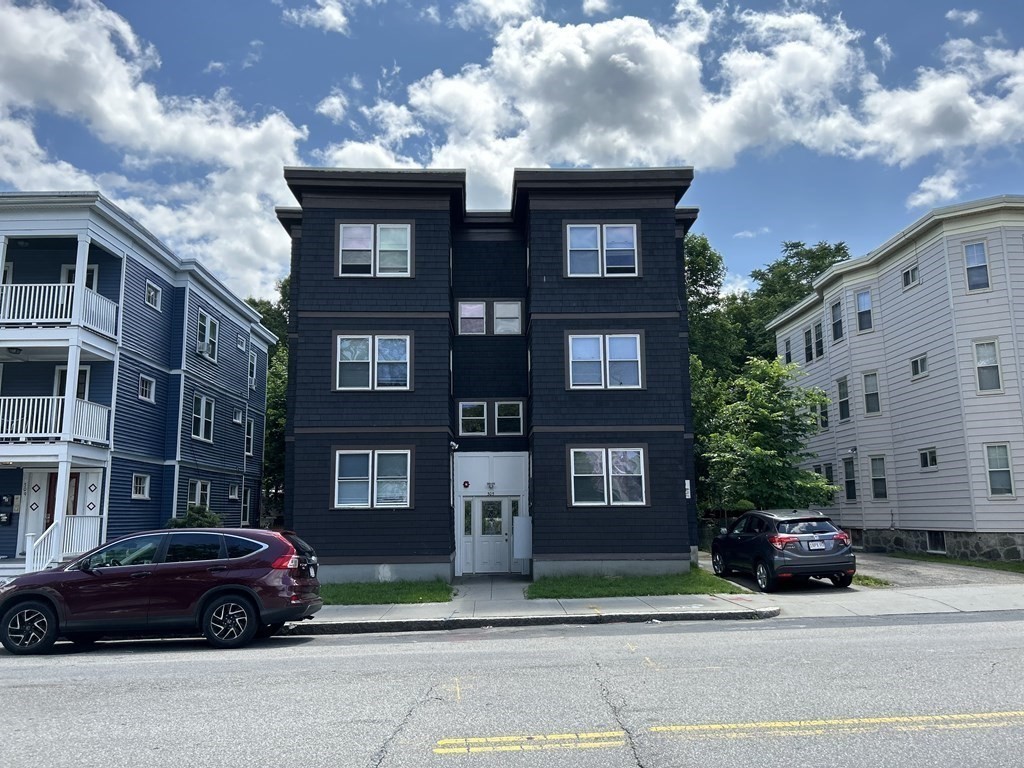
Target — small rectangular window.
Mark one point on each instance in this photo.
(808, 346)
(472, 318)
(843, 390)
(937, 542)
(140, 486)
(823, 415)
(850, 478)
(154, 296)
(1000, 475)
(233, 491)
(250, 436)
(473, 419)
(830, 474)
(837, 321)
(202, 418)
(929, 458)
(919, 367)
(206, 334)
(986, 355)
(147, 389)
(872, 402)
(246, 505)
(241, 342)
(236, 416)
(910, 277)
(199, 493)
(819, 341)
(252, 369)
(508, 418)
(508, 318)
(977, 267)
(789, 352)
(864, 321)
(878, 485)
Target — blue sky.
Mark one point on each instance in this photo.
(814, 120)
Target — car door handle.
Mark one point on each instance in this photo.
(141, 574)
(213, 568)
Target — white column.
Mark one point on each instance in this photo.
(3, 254)
(60, 506)
(81, 269)
(4, 300)
(71, 390)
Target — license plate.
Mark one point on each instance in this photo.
(815, 544)
(312, 571)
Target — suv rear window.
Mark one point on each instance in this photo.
(300, 546)
(238, 547)
(817, 525)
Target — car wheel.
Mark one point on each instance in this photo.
(268, 630)
(29, 628)
(841, 580)
(764, 577)
(83, 640)
(229, 622)
(718, 564)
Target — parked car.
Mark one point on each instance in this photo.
(774, 545)
(229, 584)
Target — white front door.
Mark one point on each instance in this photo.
(489, 526)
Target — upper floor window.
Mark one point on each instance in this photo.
(997, 464)
(929, 458)
(199, 493)
(140, 486)
(604, 361)
(986, 355)
(373, 362)
(819, 341)
(508, 418)
(206, 337)
(789, 352)
(252, 369)
(375, 250)
(878, 484)
(911, 277)
(603, 476)
(472, 318)
(154, 296)
(246, 505)
(864, 322)
(365, 479)
(147, 389)
(919, 367)
(250, 436)
(823, 415)
(241, 342)
(872, 403)
(837, 321)
(977, 266)
(233, 490)
(808, 346)
(843, 390)
(202, 418)
(507, 317)
(850, 479)
(602, 250)
(236, 416)
(472, 418)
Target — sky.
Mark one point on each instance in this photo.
(813, 120)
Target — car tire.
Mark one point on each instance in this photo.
(718, 564)
(28, 628)
(229, 621)
(268, 630)
(841, 580)
(764, 577)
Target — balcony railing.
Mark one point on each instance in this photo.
(67, 537)
(42, 418)
(51, 304)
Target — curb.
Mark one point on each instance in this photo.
(486, 622)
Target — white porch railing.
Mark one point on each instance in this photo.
(69, 537)
(51, 303)
(42, 418)
(81, 533)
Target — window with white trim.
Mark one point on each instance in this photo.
(373, 362)
(823, 415)
(250, 436)
(154, 296)
(472, 318)
(872, 401)
(202, 418)
(919, 367)
(1000, 475)
(819, 341)
(233, 491)
(602, 250)
(600, 361)
(140, 486)
(843, 392)
(837, 321)
(252, 369)
(473, 419)
(929, 458)
(199, 493)
(986, 359)
(241, 342)
(850, 478)
(246, 505)
(206, 330)
(879, 489)
(375, 250)
(864, 320)
(236, 416)
(607, 476)
(508, 318)
(508, 418)
(788, 352)
(808, 346)
(369, 479)
(911, 277)
(147, 389)
(976, 262)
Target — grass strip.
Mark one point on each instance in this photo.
(1014, 566)
(385, 593)
(696, 582)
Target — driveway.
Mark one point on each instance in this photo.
(901, 572)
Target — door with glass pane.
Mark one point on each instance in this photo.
(488, 525)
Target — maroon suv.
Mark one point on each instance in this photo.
(230, 584)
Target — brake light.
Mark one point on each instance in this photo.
(841, 537)
(779, 541)
(288, 561)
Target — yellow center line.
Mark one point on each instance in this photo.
(850, 721)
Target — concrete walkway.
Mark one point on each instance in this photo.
(493, 601)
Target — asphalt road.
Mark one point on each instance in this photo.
(886, 691)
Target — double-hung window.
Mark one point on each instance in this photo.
(367, 479)
(864, 321)
(911, 276)
(607, 476)
(837, 321)
(153, 296)
(609, 361)
(843, 390)
(986, 356)
(472, 418)
(508, 418)
(250, 436)
(140, 486)
(602, 250)
(202, 418)
(375, 250)
(252, 369)
(789, 352)
(997, 464)
(878, 485)
(472, 318)
(199, 493)
(373, 362)
(206, 336)
(850, 478)
(977, 267)
(823, 415)
(507, 318)
(819, 341)
(872, 403)
(808, 346)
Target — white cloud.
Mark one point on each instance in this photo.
(734, 284)
(334, 106)
(967, 18)
(594, 7)
(91, 71)
(254, 55)
(937, 189)
(493, 13)
(432, 14)
(215, 66)
(328, 15)
(750, 234)
(882, 44)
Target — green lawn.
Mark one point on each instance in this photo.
(870, 581)
(1015, 566)
(375, 593)
(696, 582)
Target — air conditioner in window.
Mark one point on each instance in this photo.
(204, 348)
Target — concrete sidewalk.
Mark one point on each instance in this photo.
(499, 602)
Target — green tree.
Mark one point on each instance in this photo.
(196, 516)
(757, 440)
(707, 398)
(714, 339)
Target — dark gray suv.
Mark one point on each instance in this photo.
(789, 545)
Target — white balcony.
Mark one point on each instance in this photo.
(42, 418)
(52, 303)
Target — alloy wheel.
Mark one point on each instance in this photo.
(28, 628)
(229, 621)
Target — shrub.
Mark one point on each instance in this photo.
(196, 517)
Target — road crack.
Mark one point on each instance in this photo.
(617, 710)
(382, 754)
